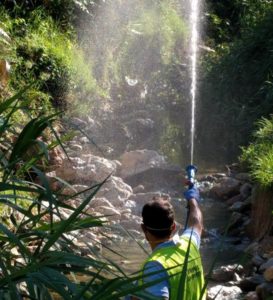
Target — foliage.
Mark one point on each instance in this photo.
(226, 21)
(258, 156)
(236, 91)
(44, 54)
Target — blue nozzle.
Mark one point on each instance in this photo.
(191, 171)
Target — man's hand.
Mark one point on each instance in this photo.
(192, 193)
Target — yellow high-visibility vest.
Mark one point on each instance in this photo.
(172, 258)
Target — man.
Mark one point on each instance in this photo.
(165, 264)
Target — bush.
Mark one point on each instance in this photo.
(258, 156)
(50, 58)
(236, 91)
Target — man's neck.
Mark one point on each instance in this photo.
(155, 243)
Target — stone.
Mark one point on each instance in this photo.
(248, 284)
(245, 190)
(253, 249)
(76, 147)
(97, 202)
(267, 245)
(226, 188)
(237, 206)
(265, 291)
(78, 122)
(243, 176)
(226, 273)
(116, 191)
(235, 220)
(138, 161)
(109, 212)
(234, 199)
(268, 274)
(257, 260)
(220, 292)
(138, 189)
(84, 140)
(141, 199)
(73, 189)
(133, 224)
(251, 296)
(266, 265)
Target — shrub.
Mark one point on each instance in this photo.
(258, 156)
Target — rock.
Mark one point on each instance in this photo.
(219, 175)
(226, 273)
(220, 292)
(76, 147)
(251, 296)
(138, 189)
(268, 274)
(209, 178)
(56, 157)
(133, 224)
(141, 199)
(97, 202)
(265, 291)
(137, 161)
(253, 249)
(78, 122)
(245, 190)
(266, 265)
(234, 199)
(267, 245)
(226, 188)
(237, 206)
(235, 220)
(248, 284)
(73, 189)
(243, 176)
(109, 212)
(257, 260)
(116, 191)
(84, 140)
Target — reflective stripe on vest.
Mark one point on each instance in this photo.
(172, 259)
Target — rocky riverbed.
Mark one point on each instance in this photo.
(139, 175)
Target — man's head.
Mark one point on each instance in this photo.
(158, 218)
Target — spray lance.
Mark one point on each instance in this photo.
(191, 171)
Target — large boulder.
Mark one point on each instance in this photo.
(138, 161)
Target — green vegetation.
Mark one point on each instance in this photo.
(42, 53)
(237, 80)
(258, 156)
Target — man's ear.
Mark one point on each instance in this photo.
(173, 227)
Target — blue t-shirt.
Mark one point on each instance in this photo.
(161, 289)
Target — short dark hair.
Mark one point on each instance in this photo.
(158, 217)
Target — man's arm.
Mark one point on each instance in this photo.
(195, 216)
